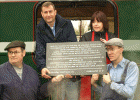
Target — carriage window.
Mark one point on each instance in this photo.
(80, 12)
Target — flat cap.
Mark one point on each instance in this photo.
(14, 44)
(115, 42)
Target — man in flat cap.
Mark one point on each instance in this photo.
(18, 81)
(121, 80)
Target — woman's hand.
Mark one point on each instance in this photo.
(102, 40)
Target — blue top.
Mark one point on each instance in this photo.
(52, 28)
(128, 88)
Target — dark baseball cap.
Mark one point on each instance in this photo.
(14, 44)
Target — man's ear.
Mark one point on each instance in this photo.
(41, 13)
(55, 12)
(121, 49)
(24, 53)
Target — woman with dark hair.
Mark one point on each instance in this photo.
(99, 28)
(99, 32)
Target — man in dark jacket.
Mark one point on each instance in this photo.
(18, 81)
(53, 28)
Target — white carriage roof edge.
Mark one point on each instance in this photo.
(129, 45)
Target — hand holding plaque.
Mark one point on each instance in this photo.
(68, 76)
(58, 78)
(94, 78)
(44, 73)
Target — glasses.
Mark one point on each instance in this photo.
(15, 52)
(110, 49)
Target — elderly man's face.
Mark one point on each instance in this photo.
(16, 55)
(114, 52)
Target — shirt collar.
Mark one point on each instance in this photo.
(17, 67)
(53, 26)
(121, 63)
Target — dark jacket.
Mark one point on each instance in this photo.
(64, 33)
(97, 36)
(13, 88)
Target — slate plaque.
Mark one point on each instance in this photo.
(76, 58)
